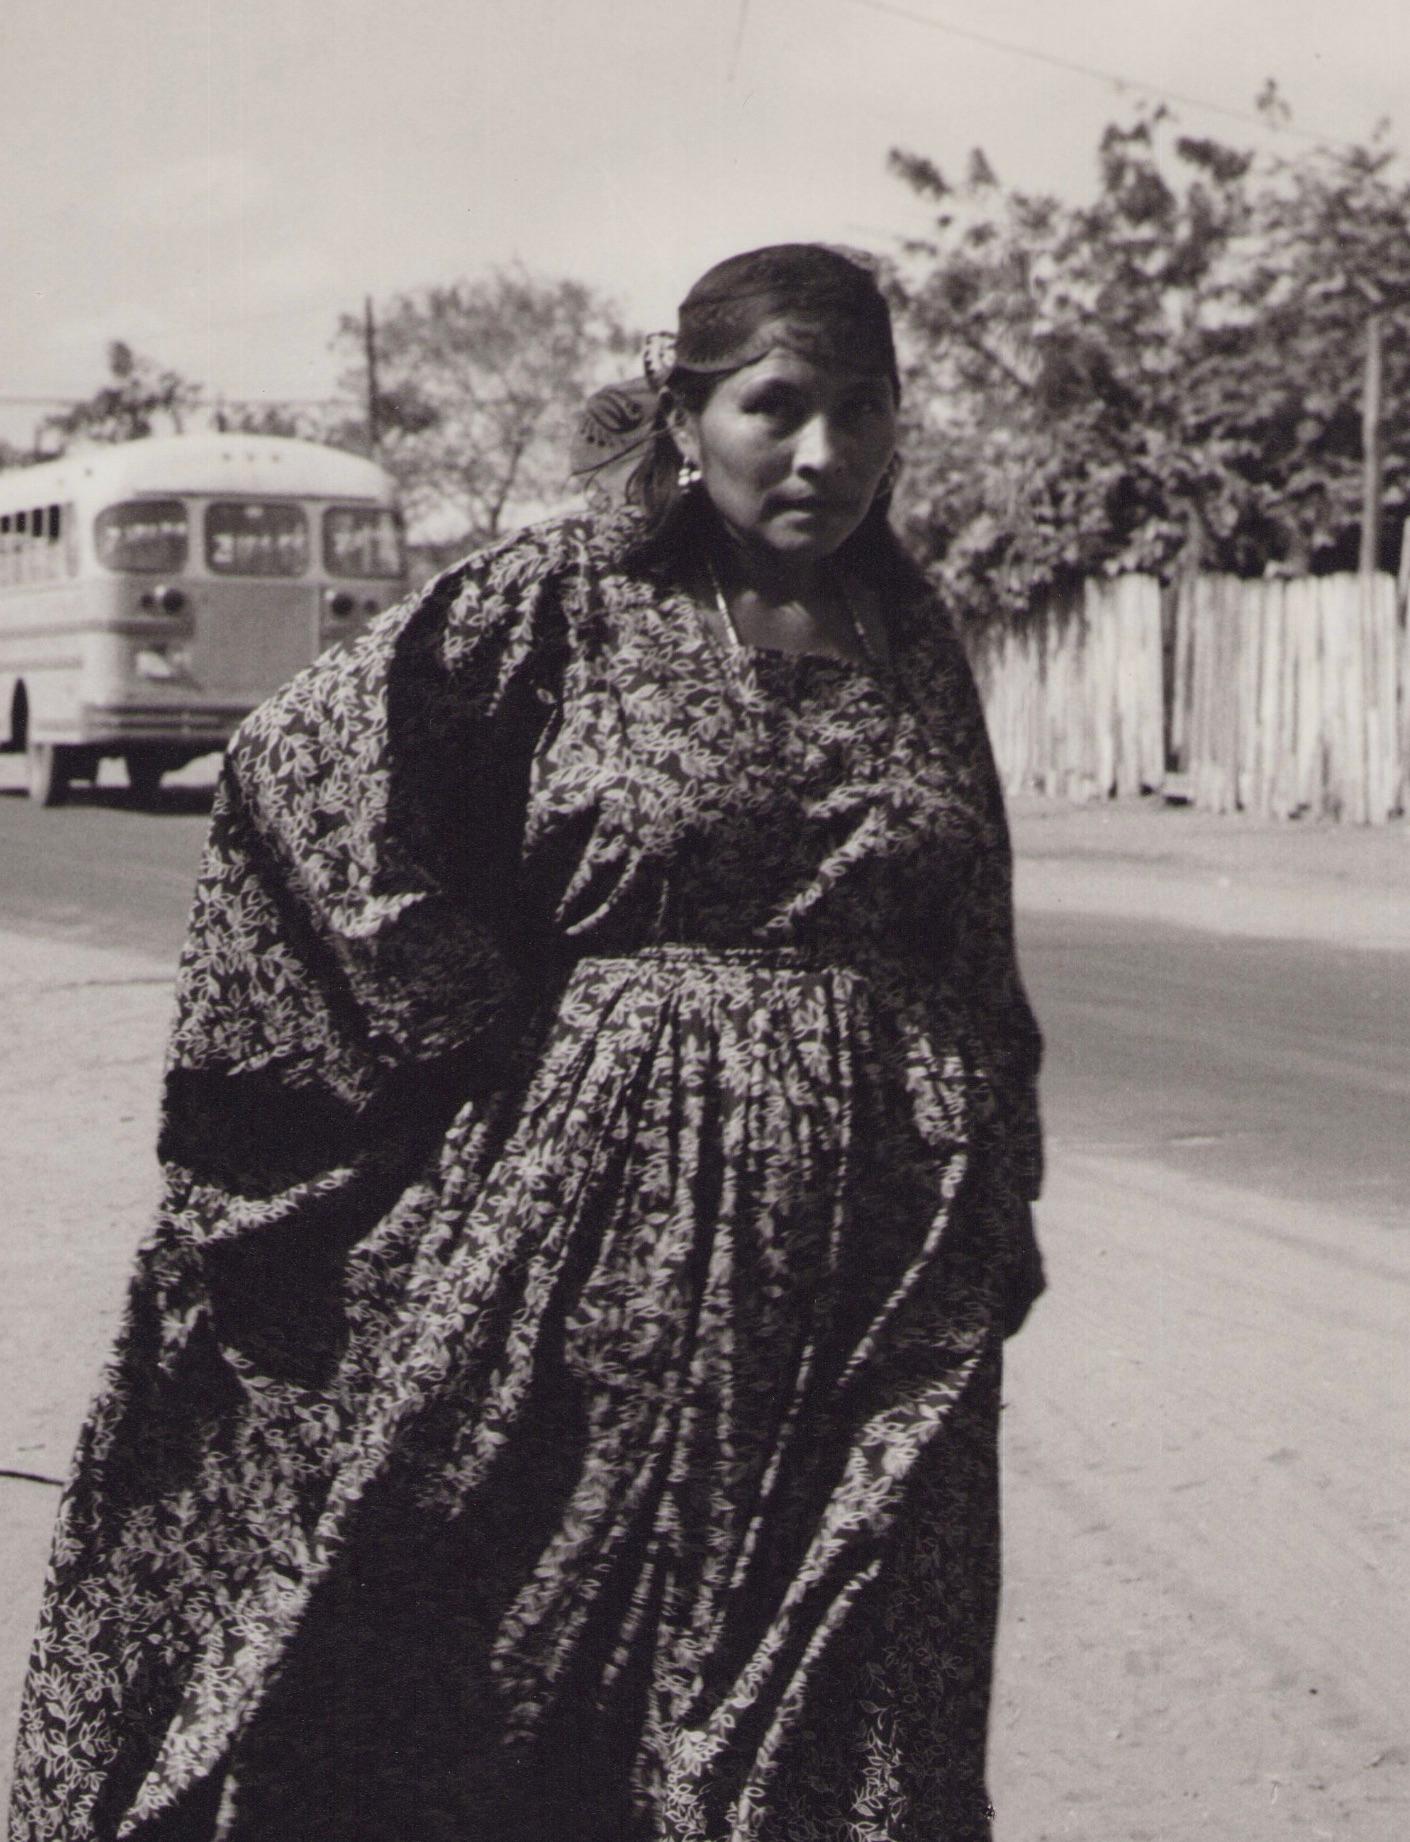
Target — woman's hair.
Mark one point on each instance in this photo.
(831, 306)
(802, 283)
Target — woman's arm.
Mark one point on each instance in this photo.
(986, 973)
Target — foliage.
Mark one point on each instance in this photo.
(140, 398)
(11, 456)
(306, 422)
(478, 385)
(330, 420)
(1170, 372)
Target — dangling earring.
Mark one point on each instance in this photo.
(886, 485)
(687, 475)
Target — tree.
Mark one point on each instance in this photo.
(139, 399)
(478, 385)
(1170, 372)
(326, 420)
(303, 421)
(1335, 243)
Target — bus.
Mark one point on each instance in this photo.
(152, 592)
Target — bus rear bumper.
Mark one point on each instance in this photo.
(117, 725)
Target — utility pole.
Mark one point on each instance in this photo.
(1371, 458)
(369, 339)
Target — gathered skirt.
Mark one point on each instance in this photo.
(661, 1496)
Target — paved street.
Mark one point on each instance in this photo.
(1206, 1619)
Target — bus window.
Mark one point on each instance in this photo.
(142, 534)
(248, 538)
(361, 540)
(55, 557)
(30, 549)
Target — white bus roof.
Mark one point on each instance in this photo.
(205, 463)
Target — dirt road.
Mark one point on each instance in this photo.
(1207, 1615)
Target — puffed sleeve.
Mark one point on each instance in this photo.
(356, 972)
(354, 923)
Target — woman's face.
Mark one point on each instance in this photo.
(792, 451)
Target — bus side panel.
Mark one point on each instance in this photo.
(46, 636)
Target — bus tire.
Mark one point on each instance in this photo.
(48, 772)
(144, 774)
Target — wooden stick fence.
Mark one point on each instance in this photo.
(1290, 696)
(1277, 697)
(1075, 697)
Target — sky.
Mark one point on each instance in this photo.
(217, 182)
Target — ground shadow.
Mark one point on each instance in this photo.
(168, 802)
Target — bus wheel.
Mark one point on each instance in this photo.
(48, 773)
(144, 774)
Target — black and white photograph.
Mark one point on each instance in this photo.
(705, 921)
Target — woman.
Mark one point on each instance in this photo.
(559, 1399)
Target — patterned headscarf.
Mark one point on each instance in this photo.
(803, 297)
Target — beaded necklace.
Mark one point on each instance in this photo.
(736, 644)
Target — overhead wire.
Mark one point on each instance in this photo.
(1057, 61)
(739, 26)
(205, 398)
(892, 9)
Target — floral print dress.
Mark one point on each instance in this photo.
(559, 1397)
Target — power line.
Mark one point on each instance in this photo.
(207, 400)
(1038, 56)
(238, 397)
(738, 39)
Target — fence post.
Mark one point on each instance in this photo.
(1371, 467)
